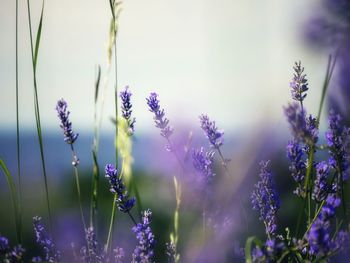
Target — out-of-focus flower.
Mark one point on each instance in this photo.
(159, 115)
(125, 96)
(299, 83)
(117, 186)
(319, 237)
(203, 163)
(93, 252)
(321, 187)
(297, 167)
(303, 128)
(214, 135)
(51, 254)
(61, 108)
(143, 252)
(337, 136)
(265, 199)
(119, 254)
(171, 252)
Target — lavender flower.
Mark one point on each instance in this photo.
(319, 237)
(94, 252)
(299, 83)
(118, 254)
(203, 163)
(171, 252)
(126, 106)
(214, 135)
(4, 245)
(16, 255)
(270, 252)
(303, 129)
(321, 187)
(337, 136)
(124, 203)
(159, 116)
(265, 199)
(61, 108)
(7, 254)
(146, 242)
(51, 254)
(297, 166)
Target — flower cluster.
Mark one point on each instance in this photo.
(203, 163)
(126, 107)
(214, 135)
(270, 252)
(8, 254)
(159, 116)
(303, 128)
(93, 252)
(299, 83)
(146, 242)
(337, 138)
(321, 187)
(51, 254)
(117, 187)
(319, 237)
(61, 108)
(265, 199)
(297, 167)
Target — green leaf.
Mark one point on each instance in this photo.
(15, 201)
(97, 83)
(38, 36)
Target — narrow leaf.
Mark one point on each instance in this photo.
(38, 36)
(14, 197)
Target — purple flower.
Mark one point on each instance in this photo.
(7, 254)
(297, 167)
(4, 245)
(321, 187)
(171, 252)
(51, 254)
(126, 107)
(299, 83)
(16, 255)
(270, 252)
(61, 108)
(146, 242)
(119, 254)
(303, 129)
(214, 135)
(203, 163)
(265, 199)
(159, 116)
(337, 138)
(94, 252)
(319, 236)
(124, 203)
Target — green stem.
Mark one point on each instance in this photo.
(110, 230)
(77, 181)
(36, 102)
(17, 133)
(96, 168)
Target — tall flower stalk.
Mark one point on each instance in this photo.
(70, 137)
(18, 132)
(115, 11)
(34, 47)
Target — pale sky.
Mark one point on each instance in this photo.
(231, 59)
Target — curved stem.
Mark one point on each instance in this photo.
(36, 103)
(110, 230)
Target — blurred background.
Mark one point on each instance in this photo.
(230, 59)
